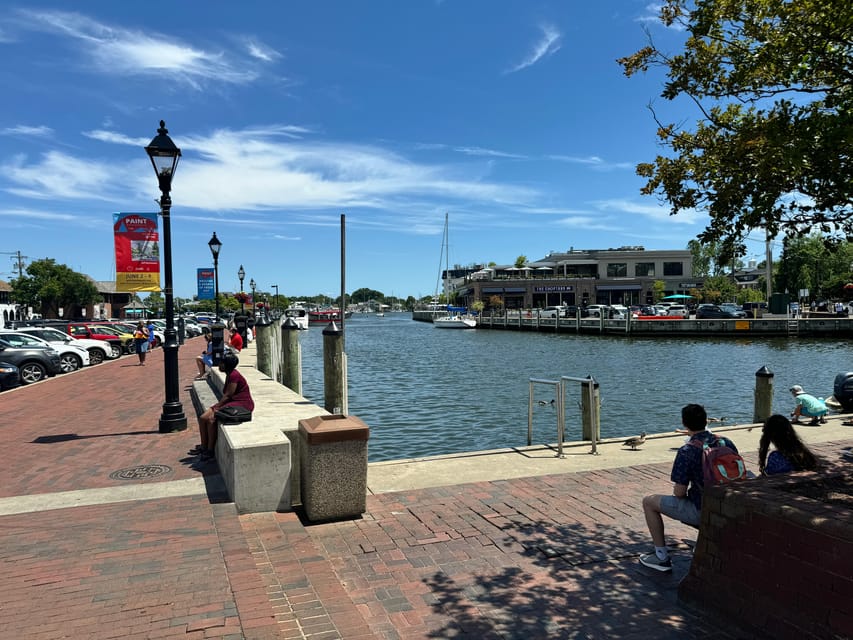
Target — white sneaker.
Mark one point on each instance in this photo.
(652, 561)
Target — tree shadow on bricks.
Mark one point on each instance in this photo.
(66, 437)
(564, 581)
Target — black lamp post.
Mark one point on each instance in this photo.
(215, 245)
(241, 274)
(164, 157)
(252, 287)
(275, 304)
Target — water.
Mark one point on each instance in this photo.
(426, 391)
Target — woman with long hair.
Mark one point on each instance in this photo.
(790, 453)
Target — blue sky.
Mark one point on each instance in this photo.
(512, 116)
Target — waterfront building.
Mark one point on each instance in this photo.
(625, 276)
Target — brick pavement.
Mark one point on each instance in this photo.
(544, 557)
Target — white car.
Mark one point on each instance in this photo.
(553, 312)
(99, 350)
(71, 358)
(678, 311)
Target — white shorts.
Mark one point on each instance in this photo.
(680, 509)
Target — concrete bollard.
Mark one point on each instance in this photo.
(333, 369)
(763, 395)
(590, 415)
(291, 356)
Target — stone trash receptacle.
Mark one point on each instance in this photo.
(334, 466)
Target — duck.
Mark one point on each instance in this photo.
(720, 420)
(635, 442)
(543, 403)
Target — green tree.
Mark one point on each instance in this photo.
(773, 85)
(520, 261)
(807, 263)
(478, 306)
(719, 289)
(155, 301)
(49, 287)
(658, 289)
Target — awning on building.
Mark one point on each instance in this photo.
(619, 287)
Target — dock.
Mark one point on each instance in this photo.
(109, 529)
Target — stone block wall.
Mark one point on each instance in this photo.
(775, 556)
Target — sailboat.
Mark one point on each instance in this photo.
(453, 319)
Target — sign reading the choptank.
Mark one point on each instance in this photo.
(137, 248)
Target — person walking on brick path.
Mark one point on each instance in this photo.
(235, 392)
(809, 406)
(685, 503)
(151, 336)
(790, 454)
(140, 341)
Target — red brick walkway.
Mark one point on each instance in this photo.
(545, 557)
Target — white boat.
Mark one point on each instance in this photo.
(453, 318)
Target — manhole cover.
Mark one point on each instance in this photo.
(141, 472)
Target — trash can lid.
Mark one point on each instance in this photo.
(333, 428)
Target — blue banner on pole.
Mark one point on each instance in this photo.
(206, 284)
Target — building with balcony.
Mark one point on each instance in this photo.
(626, 276)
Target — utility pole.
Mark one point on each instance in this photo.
(18, 259)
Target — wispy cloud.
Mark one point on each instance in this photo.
(651, 211)
(261, 51)
(592, 161)
(24, 130)
(120, 51)
(547, 45)
(492, 153)
(116, 138)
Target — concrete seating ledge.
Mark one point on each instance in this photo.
(259, 460)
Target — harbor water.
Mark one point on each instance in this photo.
(425, 391)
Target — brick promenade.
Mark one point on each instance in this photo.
(83, 555)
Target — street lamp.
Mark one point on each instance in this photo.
(275, 304)
(164, 158)
(241, 274)
(252, 287)
(215, 245)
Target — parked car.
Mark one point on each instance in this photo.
(126, 339)
(71, 357)
(713, 311)
(35, 362)
(85, 330)
(734, 308)
(99, 350)
(129, 327)
(553, 312)
(678, 311)
(10, 376)
(595, 310)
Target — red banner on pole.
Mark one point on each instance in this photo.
(137, 251)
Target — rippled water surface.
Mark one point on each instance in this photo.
(427, 391)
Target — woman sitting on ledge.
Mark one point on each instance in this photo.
(235, 393)
(790, 453)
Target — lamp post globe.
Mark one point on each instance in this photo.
(241, 274)
(215, 246)
(164, 155)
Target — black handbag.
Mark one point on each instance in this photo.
(233, 414)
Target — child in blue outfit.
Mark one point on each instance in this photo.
(789, 454)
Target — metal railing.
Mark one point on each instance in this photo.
(590, 408)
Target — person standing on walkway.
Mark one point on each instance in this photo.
(151, 336)
(685, 503)
(789, 454)
(140, 341)
(235, 392)
(809, 406)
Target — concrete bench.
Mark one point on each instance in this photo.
(259, 460)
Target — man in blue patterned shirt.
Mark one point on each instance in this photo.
(685, 503)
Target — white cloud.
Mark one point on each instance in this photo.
(125, 52)
(480, 151)
(547, 45)
(651, 211)
(592, 161)
(117, 138)
(24, 130)
(261, 51)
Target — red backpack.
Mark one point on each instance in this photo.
(720, 463)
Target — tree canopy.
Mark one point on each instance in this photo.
(49, 287)
(773, 84)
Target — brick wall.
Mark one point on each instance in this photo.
(775, 556)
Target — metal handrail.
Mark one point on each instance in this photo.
(595, 422)
(561, 417)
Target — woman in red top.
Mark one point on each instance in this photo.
(236, 341)
(235, 392)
